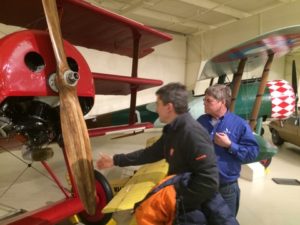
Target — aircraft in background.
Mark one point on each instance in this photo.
(47, 87)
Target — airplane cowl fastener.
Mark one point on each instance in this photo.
(71, 78)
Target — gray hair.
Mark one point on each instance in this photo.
(176, 94)
(220, 92)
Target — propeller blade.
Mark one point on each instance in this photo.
(75, 135)
(295, 84)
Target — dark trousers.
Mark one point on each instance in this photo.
(231, 194)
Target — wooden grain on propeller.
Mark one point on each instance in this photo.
(75, 135)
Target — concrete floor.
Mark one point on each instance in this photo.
(262, 201)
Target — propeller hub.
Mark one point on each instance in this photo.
(71, 77)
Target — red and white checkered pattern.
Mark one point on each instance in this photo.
(283, 99)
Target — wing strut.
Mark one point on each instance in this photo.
(295, 85)
(135, 58)
(260, 91)
(236, 83)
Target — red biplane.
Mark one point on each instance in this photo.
(47, 87)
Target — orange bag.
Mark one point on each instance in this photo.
(159, 208)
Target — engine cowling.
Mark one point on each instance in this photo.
(29, 102)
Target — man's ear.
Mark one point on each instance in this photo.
(170, 106)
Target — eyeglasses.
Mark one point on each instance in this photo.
(209, 100)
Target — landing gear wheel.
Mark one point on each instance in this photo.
(277, 140)
(105, 194)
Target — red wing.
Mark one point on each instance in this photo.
(107, 84)
(85, 25)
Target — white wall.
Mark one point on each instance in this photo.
(222, 39)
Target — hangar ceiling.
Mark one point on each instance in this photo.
(189, 17)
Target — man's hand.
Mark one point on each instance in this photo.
(222, 139)
(105, 161)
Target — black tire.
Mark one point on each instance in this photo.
(105, 194)
(276, 139)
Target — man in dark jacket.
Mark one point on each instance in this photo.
(185, 145)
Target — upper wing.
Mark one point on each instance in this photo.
(256, 50)
(85, 25)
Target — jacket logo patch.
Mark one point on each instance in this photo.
(200, 157)
(226, 131)
(171, 152)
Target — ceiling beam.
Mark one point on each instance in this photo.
(265, 9)
(172, 20)
(132, 7)
(221, 8)
(286, 1)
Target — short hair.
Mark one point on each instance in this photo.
(176, 94)
(220, 92)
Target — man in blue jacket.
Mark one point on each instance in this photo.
(233, 140)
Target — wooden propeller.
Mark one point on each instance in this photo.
(75, 135)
